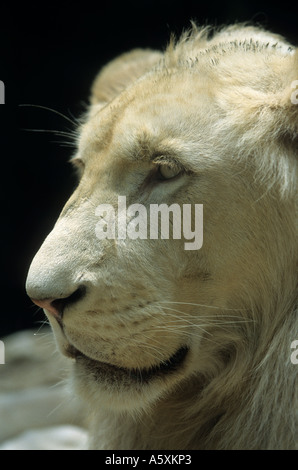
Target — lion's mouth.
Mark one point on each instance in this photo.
(137, 375)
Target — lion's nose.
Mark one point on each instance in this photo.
(58, 275)
(57, 306)
(48, 304)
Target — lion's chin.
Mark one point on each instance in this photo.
(110, 373)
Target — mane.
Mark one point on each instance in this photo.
(212, 42)
(213, 53)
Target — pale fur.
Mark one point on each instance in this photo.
(221, 105)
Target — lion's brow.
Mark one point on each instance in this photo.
(147, 148)
(161, 152)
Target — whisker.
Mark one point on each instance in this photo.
(56, 408)
(54, 131)
(181, 329)
(50, 109)
(37, 311)
(218, 320)
(78, 121)
(157, 353)
(65, 144)
(202, 305)
(43, 323)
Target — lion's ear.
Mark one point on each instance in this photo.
(265, 104)
(281, 104)
(121, 72)
(289, 98)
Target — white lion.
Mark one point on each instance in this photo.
(175, 348)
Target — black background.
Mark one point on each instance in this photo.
(49, 55)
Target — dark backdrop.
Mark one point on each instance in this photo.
(49, 56)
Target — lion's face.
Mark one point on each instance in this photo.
(140, 315)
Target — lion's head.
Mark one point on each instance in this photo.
(191, 338)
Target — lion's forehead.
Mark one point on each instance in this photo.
(151, 111)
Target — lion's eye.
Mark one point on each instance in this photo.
(167, 172)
